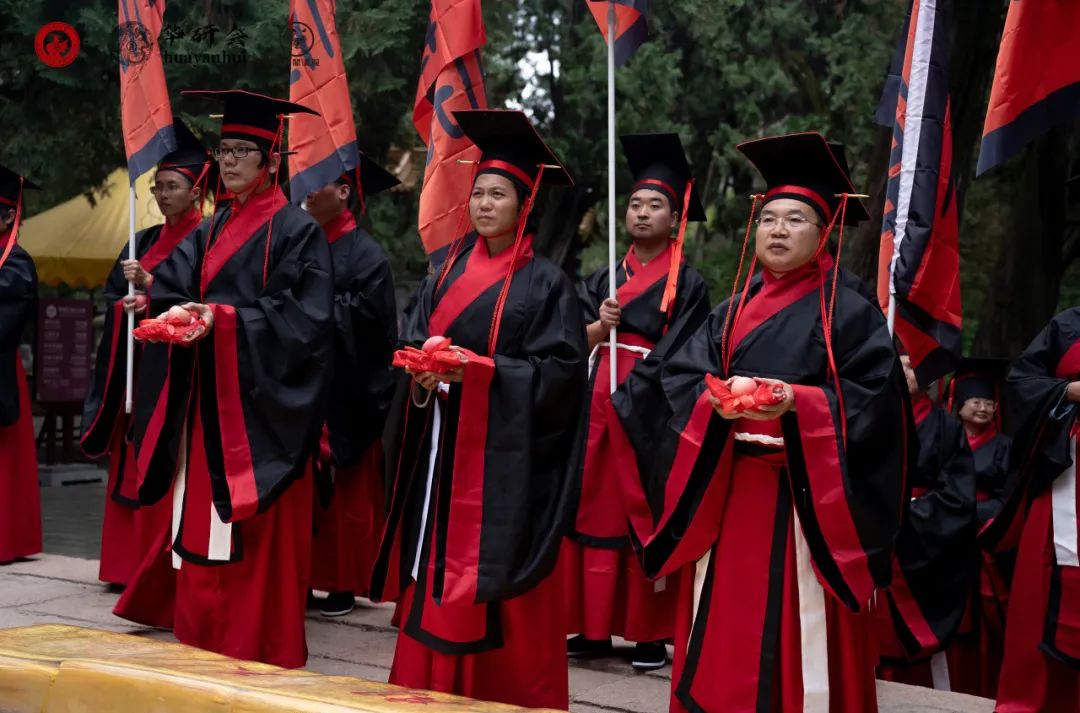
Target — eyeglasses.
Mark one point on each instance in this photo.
(791, 222)
(158, 189)
(238, 152)
(988, 404)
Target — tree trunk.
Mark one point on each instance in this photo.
(977, 33)
(1027, 278)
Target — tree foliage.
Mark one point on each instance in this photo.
(716, 71)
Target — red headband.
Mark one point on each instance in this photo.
(816, 198)
(495, 164)
(182, 170)
(247, 129)
(652, 184)
(5, 201)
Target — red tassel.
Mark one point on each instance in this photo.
(360, 191)
(724, 355)
(827, 312)
(668, 300)
(14, 234)
(459, 241)
(274, 147)
(496, 317)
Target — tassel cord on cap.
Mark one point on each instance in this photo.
(725, 333)
(667, 302)
(496, 317)
(14, 234)
(459, 231)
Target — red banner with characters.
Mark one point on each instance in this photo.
(145, 112)
(324, 146)
(451, 79)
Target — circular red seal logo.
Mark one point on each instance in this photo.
(57, 44)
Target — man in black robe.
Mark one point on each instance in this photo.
(1041, 670)
(20, 501)
(227, 424)
(788, 511)
(128, 532)
(659, 297)
(350, 518)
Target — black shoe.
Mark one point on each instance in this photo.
(580, 646)
(338, 604)
(649, 656)
(312, 602)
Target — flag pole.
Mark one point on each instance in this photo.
(612, 356)
(131, 293)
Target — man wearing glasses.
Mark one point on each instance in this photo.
(226, 423)
(786, 508)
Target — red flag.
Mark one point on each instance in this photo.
(631, 25)
(451, 79)
(325, 145)
(1037, 79)
(144, 99)
(920, 255)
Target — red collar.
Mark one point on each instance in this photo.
(339, 225)
(979, 440)
(633, 265)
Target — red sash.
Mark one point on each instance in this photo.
(482, 272)
(979, 440)
(170, 237)
(243, 221)
(639, 277)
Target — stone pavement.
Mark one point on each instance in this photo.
(61, 587)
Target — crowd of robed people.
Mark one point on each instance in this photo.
(849, 524)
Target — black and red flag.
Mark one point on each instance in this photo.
(324, 144)
(919, 261)
(145, 112)
(1037, 79)
(451, 79)
(631, 25)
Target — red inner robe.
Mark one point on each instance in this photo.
(606, 591)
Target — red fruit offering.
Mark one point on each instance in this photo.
(436, 356)
(436, 343)
(166, 330)
(758, 394)
(742, 385)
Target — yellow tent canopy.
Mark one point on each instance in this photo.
(76, 243)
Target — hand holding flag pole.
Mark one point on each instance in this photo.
(145, 114)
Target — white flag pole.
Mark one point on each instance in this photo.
(131, 315)
(611, 180)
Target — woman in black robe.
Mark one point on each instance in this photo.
(482, 493)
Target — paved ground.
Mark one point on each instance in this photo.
(61, 587)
